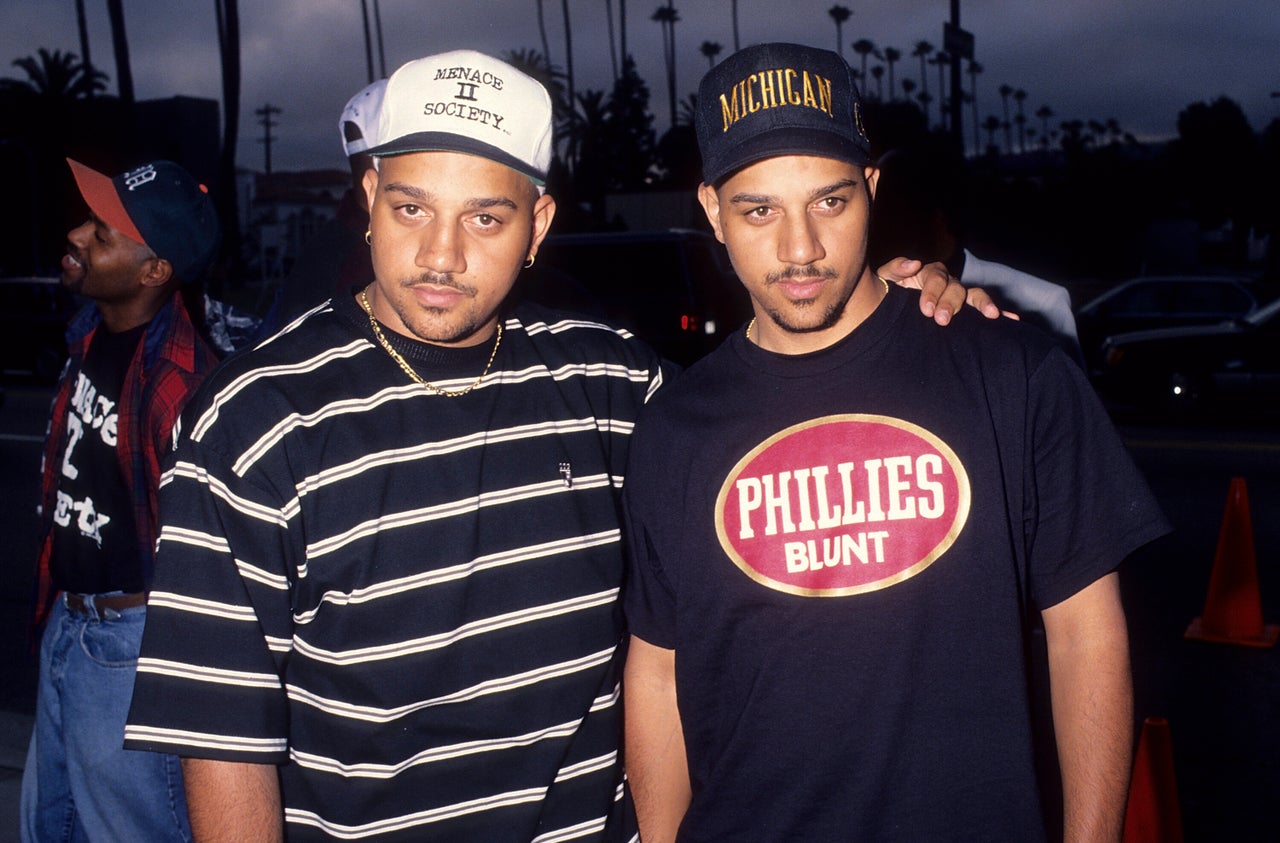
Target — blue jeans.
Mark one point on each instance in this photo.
(80, 784)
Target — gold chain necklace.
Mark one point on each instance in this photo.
(408, 370)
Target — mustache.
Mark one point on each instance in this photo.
(439, 279)
(791, 273)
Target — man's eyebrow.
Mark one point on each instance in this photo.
(753, 199)
(843, 184)
(769, 199)
(419, 195)
(492, 202)
(408, 190)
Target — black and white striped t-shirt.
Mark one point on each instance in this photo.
(409, 601)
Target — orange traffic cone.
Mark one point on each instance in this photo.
(1152, 815)
(1233, 609)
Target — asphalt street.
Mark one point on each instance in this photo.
(1221, 700)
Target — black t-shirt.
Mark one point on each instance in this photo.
(845, 550)
(95, 546)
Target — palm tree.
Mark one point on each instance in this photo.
(974, 70)
(1096, 130)
(710, 49)
(83, 24)
(924, 98)
(1020, 97)
(922, 51)
(688, 109)
(908, 88)
(56, 75)
(542, 32)
(839, 14)
(1073, 139)
(891, 55)
(877, 73)
(667, 16)
(1045, 114)
(943, 61)
(1005, 92)
(864, 48)
(991, 124)
(120, 42)
(734, 10)
(1114, 130)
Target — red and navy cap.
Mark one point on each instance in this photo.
(771, 100)
(160, 206)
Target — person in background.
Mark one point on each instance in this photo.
(920, 201)
(336, 258)
(135, 360)
(845, 520)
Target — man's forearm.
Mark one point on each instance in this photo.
(1092, 694)
(230, 801)
(657, 767)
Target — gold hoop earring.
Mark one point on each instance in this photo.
(529, 262)
(368, 238)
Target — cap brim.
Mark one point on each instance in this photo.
(448, 142)
(778, 142)
(100, 195)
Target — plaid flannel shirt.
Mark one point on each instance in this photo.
(169, 364)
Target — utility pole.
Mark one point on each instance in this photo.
(368, 45)
(382, 55)
(959, 45)
(267, 125)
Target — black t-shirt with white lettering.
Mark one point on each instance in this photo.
(95, 545)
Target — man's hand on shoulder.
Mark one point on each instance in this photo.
(941, 295)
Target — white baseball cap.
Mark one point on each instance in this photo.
(358, 125)
(464, 101)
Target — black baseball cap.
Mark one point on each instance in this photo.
(778, 99)
(159, 205)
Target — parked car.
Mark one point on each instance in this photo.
(673, 288)
(1161, 302)
(1232, 366)
(34, 312)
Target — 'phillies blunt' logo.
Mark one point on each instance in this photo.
(842, 505)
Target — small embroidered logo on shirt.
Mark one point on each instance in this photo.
(567, 472)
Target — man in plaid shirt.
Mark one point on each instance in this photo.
(135, 360)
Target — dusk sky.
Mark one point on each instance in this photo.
(1138, 61)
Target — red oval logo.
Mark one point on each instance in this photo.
(842, 505)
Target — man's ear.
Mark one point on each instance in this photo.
(544, 211)
(370, 187)
(156, 272)
(710, 201)
(872, 175)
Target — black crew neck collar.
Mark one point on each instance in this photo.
(869, 333)
(423, 356)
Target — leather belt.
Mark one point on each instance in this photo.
(104, 606)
